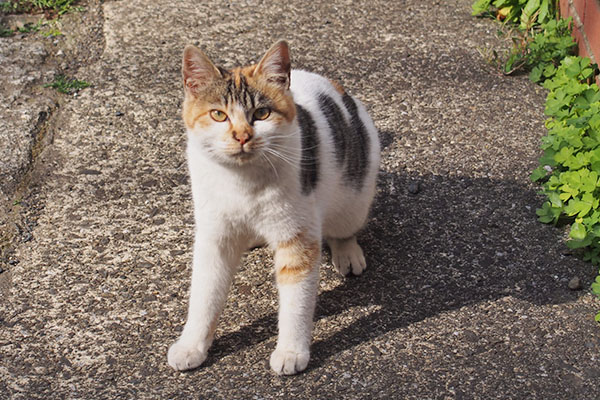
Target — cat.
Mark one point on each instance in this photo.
(276, 156)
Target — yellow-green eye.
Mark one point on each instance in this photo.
(218, 116)
(262, 113)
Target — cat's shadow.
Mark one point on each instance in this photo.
(433, 244)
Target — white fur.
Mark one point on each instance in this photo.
(237, 206)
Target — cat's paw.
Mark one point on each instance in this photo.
(183, 356)
(288, 362)
(347, 256)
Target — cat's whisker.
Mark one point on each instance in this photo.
(288, 148)
(294, 157)
(286, 152)
(272, 166)
(291, 161)
(282, 158)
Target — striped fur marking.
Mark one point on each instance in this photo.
(309, 166)
(296, 258)
(357, 155)
(238, 91)
(337, 125)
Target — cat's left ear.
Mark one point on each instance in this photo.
(197, 70)
(275, 65)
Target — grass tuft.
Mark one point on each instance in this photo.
(51, 7)
(67, 85)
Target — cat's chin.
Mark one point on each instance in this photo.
(241, 158)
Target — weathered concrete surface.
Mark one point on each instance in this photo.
(24, 110)
(466, 293)
(28, 62)
(23, 113)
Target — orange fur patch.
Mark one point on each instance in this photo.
(211, 330)
(296, 258)
(337, 86)
(194, 110)
(283, 101)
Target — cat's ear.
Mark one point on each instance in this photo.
(197, 70)
(275, 65)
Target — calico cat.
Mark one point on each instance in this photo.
(277, 156)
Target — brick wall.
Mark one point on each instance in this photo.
(586, 25)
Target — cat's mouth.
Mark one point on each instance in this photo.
(241, 155)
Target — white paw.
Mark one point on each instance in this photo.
(286, 362)
(347, 256)
(184, 356)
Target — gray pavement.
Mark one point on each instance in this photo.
(466, 294)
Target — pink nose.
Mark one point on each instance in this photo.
(243, 137)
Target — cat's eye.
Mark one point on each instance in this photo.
(261, 113)
(218, 116)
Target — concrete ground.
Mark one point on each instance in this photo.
(466, 295)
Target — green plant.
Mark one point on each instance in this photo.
(569, 170)
(56, 7)
(52, 31)
(542, 53)
(30, 27)
(8, 6)
(526, 13)
(67, 85)
(5, 32)
(539, 40)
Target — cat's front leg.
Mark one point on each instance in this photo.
(297, 274)
(213, 269)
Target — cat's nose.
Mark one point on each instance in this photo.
(243, 137)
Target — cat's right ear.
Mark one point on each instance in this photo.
(197, 70)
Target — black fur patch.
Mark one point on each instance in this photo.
(309, 166)
(338, 126)
(357, 148)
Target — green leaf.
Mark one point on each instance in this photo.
(527, 14)
(555, 199)
(563, 155)
(579, 244)
(578, 231)
(565, 196)
(547, 213)
(538, 173)
(480, 6)
(549, 71)
(548, 157)
(544, 11)
(536, 74)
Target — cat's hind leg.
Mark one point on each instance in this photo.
(347, 255)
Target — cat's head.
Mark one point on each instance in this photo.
(238, 115)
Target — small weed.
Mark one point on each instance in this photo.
(6, 32)
(27, 28)
(50, 7)
(53, 31)
(8, 7)
(537, 51)
(525, 13)
(67, 85)
(539, 40)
